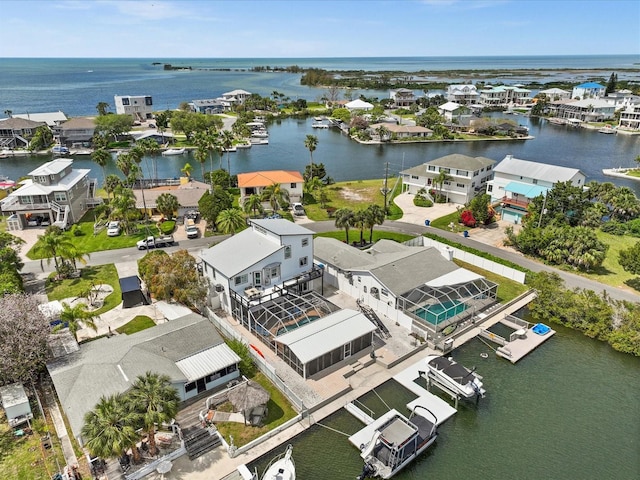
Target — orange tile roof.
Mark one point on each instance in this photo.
(269, 177)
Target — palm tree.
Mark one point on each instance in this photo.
(374, 216)
(187, 169)
(156, 400)
(383, 133)
(111, 183)
(439, 181)
(230, 220)
(101, 157)
(311, 143)
(167, 204)
(360, 222)
(253, 203)
(344, 219)
(312, 184)
(124, 163)
(123, 206)
(77, 317)
(102, 108)
(150, 147)
(227, 143)
(51, 245)
(201, 155)
(276, 195)
(110, 428)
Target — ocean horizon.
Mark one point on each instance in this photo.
(76, 85)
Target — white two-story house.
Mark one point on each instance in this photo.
(465, 177)
(265, 256)
(56, 193)
(516, 182)
(139, 107)
(463, 94)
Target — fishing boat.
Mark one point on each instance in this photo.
(455, 377)
(173, 151)
(281, 467)
(396, 441)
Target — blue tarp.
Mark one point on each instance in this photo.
(526, 189)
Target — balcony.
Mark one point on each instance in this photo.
(512, 202)
(12, 204)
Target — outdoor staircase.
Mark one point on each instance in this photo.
(368, 312)
(200, 441)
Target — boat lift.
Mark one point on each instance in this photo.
(456, 397)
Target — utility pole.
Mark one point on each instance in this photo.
(385, 189)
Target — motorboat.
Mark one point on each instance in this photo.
(259, 141)
(455, 377)
(319, 125)
(260, 134)
(607, 130)
(281, 467)
(173, 151)
(396, 441)
(60, 150)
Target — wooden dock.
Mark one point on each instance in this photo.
(522, 345)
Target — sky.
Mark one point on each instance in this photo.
(311, 28)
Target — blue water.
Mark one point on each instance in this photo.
(440, 312)
(77, 85)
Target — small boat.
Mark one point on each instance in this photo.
(6, 153)
(173, 151)
(557, 121)
(231, 149)
(607, 130)
(396, 442)
(455, 377)
(318, 119)
(260, 134)
(244, 145)
(259, 141)
(281, 467)
(59, 150)
(319, 125)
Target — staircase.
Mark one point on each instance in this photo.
(200, 441)
(368, 312)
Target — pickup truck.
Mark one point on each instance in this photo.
(155, 242)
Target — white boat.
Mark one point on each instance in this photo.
(231, 149)
(259, 141)
(59, 150)
(607, 130)
(244, 145)
(396, 442)
(455, 377)
(281, 467)
(173, 151)
(319, 125)
(260, 134)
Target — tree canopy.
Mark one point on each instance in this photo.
(113, 125)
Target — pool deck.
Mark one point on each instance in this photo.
(521, 347)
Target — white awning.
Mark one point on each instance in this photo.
(454, 278)
(207, 362)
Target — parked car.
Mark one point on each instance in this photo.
(191, 215)
(113, 229)
(298, 209)
(155, 242)
(192, 231)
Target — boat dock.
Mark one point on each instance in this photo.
(522, 341)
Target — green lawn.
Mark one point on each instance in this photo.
(507, 289)
(280, 411)
(443, 223)
(139, 323)
(354, 235)
(356, 195)
(87, 242)
(92, 275)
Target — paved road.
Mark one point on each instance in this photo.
(196, 245)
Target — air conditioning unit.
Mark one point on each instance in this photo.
(219, 287)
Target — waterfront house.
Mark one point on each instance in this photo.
(79, 130)
(55, 193)
(140, 107)
(18, 132)
(622, 99)
(587, 90)
(454, 111)
(630, 118)
(517, 182)
(398, 132)
(161, 137)
(188, 349)
(462, 94)
(208, 106)
(402, 97)
(555, 94)
(255, 182)
(503, 96)
(358, 106)
(235, 97)
(466, 176)
(50, 118)
(418, 287)
(588, 110)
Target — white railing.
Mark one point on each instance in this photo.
(151, 467)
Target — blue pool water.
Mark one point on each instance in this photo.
(438, 313)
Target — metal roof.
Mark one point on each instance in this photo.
(326, 334)
(457, 160)
(207, 362)
(538, 171)
(53, 167)
(526, 189)
(13, 395)
(280, 226)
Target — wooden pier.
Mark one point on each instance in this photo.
(525, 342)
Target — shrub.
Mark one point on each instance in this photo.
(76, 230)
(419, 201)
(167, 227)
(468, 219)
(614, 228)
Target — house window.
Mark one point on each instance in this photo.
(304, 261)
(475, 174)
(535, 181)
(241, 279)
(60, 196)
(414, 177)
(294, 185)
(41, 180)
(488, 168)
(431, 168)
(462, 173)
(125, 101)
(460, 185)
(447, 183)
(305, 242)
(364, 289)
(273, 272)
(287, 251)
(148, 101)
(384, 292)
(445, 170)
(489, 188)
(190, 386)
(257, 278)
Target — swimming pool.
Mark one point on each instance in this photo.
(293, 326)
(438, 313)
